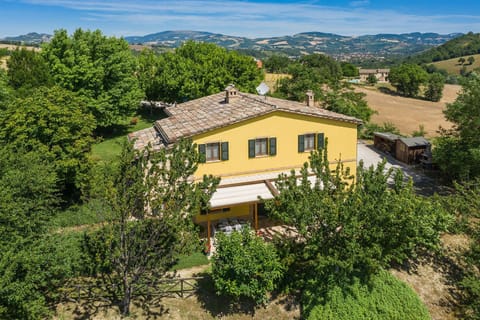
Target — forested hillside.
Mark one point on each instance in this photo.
(467, 44)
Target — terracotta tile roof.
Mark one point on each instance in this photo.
(212, 112)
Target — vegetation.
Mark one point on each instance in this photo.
(244, 266)
(195, 70)
(27, 69)
(384, 298)
(277, 64)
(349, 70)
(467, 44)
(392, 224)
(101, 69)
(372, 79)
(321, 74)
(53, 122)
(135, 247)
(407, 78)
(435, 85)
(457, 151)
(369, 129)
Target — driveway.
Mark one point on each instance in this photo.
(371, 156)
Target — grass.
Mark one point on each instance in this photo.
(453, 67)
(109, 145)
(272, 78)
(193, 260)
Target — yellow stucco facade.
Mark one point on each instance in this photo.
(285, 127)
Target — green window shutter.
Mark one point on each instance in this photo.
(320, 141)
(224, 148)
(251, 148)
(301, 143)
(201, 152)
(272, 142)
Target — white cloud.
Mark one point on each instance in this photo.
(248, 18)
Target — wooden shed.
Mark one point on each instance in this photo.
(385, 141)
(410, 150)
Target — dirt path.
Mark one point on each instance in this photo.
(408, 114)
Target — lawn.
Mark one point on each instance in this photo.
(108, 146)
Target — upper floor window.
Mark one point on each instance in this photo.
(262, 147)
(214, 151)
(311, 141)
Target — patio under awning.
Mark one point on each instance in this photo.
(242, 194)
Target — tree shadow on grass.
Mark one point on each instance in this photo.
(388, 91)
(219, 306)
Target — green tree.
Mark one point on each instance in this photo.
(457, 151)
(52, 122)
(471, 60)
(32, 264)
(6, 91)
(102, 69)
(356, 229)
(277, 64)
(435, 85)
(244, 266)
(461, 60)
(196, 70)
(349, 70)
(371, 79)
(149, 202)
(407, 78)
(27, 69)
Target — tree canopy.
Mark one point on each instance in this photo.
(457, 151)
(407, 78)
(27, 69)
(195, 70)
(102, 69)
(52, 122)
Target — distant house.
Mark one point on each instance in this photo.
(380, 74)
(407, 150)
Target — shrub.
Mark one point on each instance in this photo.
(385, 297)
(244, 266)
(369, 128)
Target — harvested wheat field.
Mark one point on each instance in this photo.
(407, 114)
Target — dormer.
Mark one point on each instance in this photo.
(231, 93)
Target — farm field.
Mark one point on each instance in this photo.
(272, 78)
(452, 66)
(408, 114)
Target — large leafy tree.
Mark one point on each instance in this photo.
(407, 78)
(27, 69)
(149, 202)
(100, 68)
(52, 122)
(351, 228)
(195, 70)
(435, 85)
(457, 151)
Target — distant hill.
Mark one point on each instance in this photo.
(464, 45)
(338, 46)
(31, 38)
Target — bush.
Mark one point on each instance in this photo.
(369, 128)
(244, 266)
(385, 297)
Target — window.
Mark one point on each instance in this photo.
(311, 141)
(262, 147)
(214, 151)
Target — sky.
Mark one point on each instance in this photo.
(249, 18)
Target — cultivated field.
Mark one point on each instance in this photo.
(408, 114)
(452, 66)
(272, 78)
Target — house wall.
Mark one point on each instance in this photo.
(285, 127)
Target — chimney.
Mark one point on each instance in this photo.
(310, 98)
(231, 93)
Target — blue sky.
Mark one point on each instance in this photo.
(259, 18)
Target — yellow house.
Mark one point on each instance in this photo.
(248, 140)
